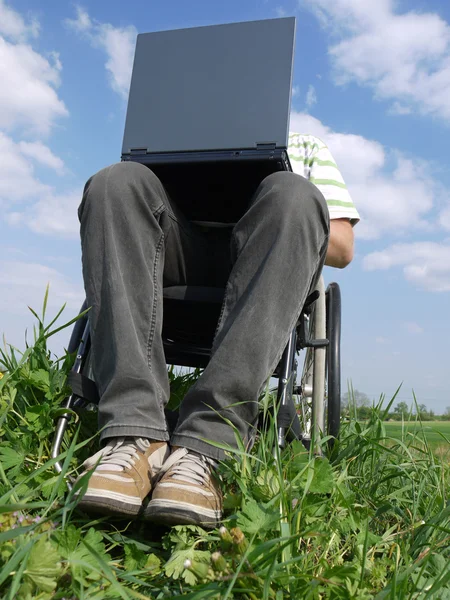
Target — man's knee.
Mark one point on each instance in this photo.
(121, 174)
(120, 184)
(293, 196)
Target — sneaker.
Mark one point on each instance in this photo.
(186, 493)
(123, 474)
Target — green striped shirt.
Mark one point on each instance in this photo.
(311, 158)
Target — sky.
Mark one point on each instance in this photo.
(372, 79)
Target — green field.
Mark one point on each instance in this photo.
(371, 519)
(436, 433)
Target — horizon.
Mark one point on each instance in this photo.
(374, 84)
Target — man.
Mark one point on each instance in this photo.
(134, 241)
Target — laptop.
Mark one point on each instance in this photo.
(212, 103)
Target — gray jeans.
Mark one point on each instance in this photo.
(135, 241)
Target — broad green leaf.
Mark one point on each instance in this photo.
(44, 566)
(11, 456)
(255, 518)
(40, 379)
(68, 540)
(33, 413)
(83, 563)
(134, 558)
(185, 536)
(174, 567)
(323, 479)
(266, 486)
(153, 564)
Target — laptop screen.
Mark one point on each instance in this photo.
(211, 88)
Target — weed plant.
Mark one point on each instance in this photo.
(369, 520)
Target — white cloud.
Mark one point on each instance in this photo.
(23, 284)
(412, 327)
(53, 214)
(18, 182)
(295, 91)
(42, 209)
(281, 12)
(395, 202)
(119, 46)
(82, 23)
(13, 26)
(382, 340)
(426, 264)
(311, 96)
(444, 218)
(118, 43)
(404, 57)
(399, 109)
(30, 105)
(42, 154)
(28, 98)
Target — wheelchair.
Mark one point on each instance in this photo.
(307, 408)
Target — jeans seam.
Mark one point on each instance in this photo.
(151, 334)
(222, 310)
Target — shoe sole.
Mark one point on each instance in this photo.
(180, 515)
(108, 506)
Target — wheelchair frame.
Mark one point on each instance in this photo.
(305, 411)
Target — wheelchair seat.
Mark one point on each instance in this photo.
(191, 314)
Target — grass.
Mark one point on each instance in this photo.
(436, 433)
(370, 521)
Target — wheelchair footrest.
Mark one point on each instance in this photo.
(317, 343)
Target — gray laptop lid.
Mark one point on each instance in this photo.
(211, 88)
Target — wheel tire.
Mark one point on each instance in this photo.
(77, 331)
(333, 324)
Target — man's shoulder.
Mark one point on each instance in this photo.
(306, 141)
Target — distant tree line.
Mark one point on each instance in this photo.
(359, 405)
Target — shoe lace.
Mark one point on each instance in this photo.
(188, 466)
(118, 454)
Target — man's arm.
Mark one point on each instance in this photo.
(340, 245)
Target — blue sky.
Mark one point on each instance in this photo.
(372, 81)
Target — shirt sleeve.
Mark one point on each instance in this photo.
(312, 159)
(324, 174)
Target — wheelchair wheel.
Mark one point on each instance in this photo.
(333, 363)
(320, 386)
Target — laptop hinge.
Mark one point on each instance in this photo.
(138, 151)
(266, 145)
